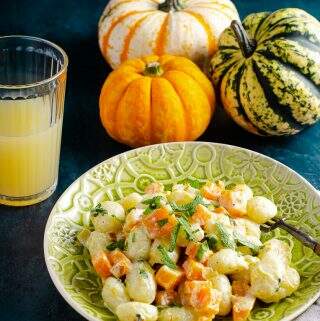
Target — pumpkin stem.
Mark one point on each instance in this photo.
(246, 45)
(153, 69)
(171, 5)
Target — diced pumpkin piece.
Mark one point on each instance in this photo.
(159, 223)
(168, 278)
(212, 191)
(201, 296)
(192, 249)
(198, 251)
(235, 200)
(101, 264)
(194, 270)
(154, 188)
(121, 265)
(165, 298)
(201, 215)
(242, 306)
(240, 287)
(221, 210)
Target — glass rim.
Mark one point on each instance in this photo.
(44, 81)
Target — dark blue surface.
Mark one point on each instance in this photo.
(26, 291)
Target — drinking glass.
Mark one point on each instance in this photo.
(32, 88)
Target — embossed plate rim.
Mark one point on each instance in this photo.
(76, 306)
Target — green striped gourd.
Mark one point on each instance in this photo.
(268, 71)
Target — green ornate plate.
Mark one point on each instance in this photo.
(69, 263)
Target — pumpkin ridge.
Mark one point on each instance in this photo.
(212, 41)
(288, 32)
(114, 7)
(105, 41)
(314, 88)
(276, 23)
(260, 24)
(285, 113)
(185, 115)
(161, 40)
(223, 73)
(128, 38)
(240, 109)
(297, 37)
(133, 121)
(215, 8)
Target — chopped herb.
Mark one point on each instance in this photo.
(133, 237)
(212, 241)
(227, 239)
(166, 258)
(147, 211)
(162, 222)
(189, 208)
(98, 210)
(194, 183)
(152, 203)
(143, 273)
(186, 227)
(243, 241)
(116, 245)
(203, 248)
(173, 238)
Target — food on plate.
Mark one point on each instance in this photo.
(189, 28)
(156, 99)
(189, 252)
(267, 71)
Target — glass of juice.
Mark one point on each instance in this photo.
(32, 88)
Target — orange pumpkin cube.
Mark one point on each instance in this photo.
(194, 270)
(159, 223)
(240, 287)
(201, 215)
(168, 278)
(192, 249)
(121, 265)
(212, 191)
(101, 264)
(201, 296)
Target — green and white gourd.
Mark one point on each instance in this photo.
(268, 72)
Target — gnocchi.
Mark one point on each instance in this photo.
(260, 209)
(110, 218)
(131, 201)
(114, 293)
(180, 249)
(155, 255)
(130, 310)
(227, 261)
(221, 283)
(97, 242)
(176, 314)
(140, 283)
(138, 243)
(272, 279)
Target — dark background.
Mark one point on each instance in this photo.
(26, 291)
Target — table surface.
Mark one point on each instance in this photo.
(26, 291)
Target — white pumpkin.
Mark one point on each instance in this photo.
(189, 28)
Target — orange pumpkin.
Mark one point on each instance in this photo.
(156, 99)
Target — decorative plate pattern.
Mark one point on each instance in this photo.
(69, 263)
